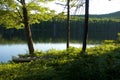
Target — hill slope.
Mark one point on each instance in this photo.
(110, 15)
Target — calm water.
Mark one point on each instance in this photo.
(7, 51)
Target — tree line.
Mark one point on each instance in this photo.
(20, 14)
(56, 29)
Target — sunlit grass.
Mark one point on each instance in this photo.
(99, 63)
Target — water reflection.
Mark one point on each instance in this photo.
(9, 50)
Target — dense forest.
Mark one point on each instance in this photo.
(101, 27)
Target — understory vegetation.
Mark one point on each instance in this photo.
(99, 63)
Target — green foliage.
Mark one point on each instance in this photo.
(11, 13)
(60, 17)
(109, 41)
(100, 63)
(55, 29)
(118, 39)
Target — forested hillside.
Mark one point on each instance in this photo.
(101, 27)
(111, 15)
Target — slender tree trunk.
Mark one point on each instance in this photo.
(85, 26)
(68, 23)
(27, 29)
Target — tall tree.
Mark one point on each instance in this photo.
(21, 14)
(85, 26)
(70, 4)
(27, 27)
(68, 23)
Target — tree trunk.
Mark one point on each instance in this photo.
(68, 23)
(27, 29)
(85, 26)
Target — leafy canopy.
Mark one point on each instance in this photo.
(11, 12)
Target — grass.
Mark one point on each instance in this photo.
(99, 63)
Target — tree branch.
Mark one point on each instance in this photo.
(19, 13)
(20, 1)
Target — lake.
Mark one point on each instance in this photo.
(9, 50)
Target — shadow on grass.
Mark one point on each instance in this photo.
(99, 63)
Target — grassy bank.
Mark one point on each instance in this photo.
(99, 63)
